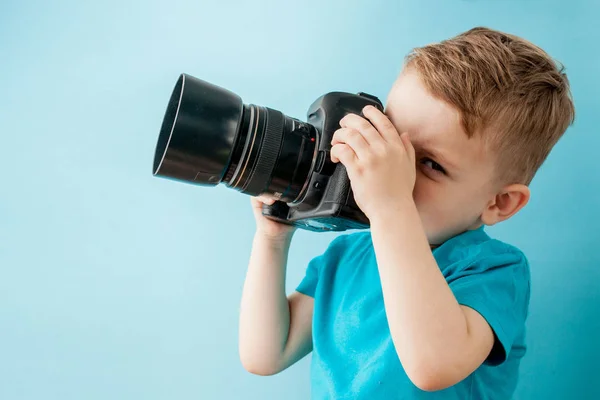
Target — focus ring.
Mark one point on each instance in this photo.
(269, 150)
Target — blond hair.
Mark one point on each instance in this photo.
(506, 89)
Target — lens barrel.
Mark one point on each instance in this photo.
(208, 136)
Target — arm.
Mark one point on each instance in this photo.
(274, 331)
(438, 341)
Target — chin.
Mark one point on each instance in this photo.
(433, 238)
(438, 237)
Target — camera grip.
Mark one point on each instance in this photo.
(278, 211)
(339, 186)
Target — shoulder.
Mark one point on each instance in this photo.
(476, 251)
(349, 244)
(351, 239)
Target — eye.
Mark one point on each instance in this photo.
(433, 165)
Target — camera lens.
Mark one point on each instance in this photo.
(208, 136)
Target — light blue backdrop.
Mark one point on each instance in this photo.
(118, 285)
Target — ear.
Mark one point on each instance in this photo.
(505, 204)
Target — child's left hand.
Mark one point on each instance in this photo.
(380, 162)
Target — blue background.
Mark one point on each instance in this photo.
(115, 284)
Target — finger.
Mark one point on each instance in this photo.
(352, 138)
(410, 149)
(382, 124)
(343, 153)
(265, 199)
(366, 129)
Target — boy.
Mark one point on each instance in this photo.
(425, 304)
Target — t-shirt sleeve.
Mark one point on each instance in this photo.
(497, 287)
(308, 285)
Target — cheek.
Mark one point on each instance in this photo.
(428, 194)
(429, 197)
(441, 206)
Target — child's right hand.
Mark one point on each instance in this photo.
(267, 227)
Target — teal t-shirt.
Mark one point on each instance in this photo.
(353, 353)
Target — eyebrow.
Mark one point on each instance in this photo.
(431, 151)
(439, 157)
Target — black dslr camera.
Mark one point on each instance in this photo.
(209, 136)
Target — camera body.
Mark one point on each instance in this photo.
(327, 203)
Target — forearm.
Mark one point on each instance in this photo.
(264, 313)
(428, 326)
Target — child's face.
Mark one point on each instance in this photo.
(448, 202)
